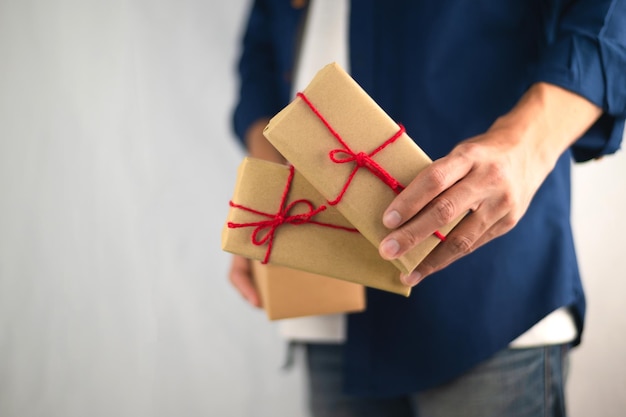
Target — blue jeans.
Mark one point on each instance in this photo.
(513, 383)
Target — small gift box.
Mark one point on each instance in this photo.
(288, 293)
(277, 217)
(353, 153)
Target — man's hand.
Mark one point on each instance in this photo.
(240, 276)
(494, 176)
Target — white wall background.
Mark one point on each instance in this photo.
(116, 163)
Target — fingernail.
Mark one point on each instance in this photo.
(389, 248)
(412, 279)
(392, 219)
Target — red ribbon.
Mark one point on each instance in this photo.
(265, 230)
(361, 159)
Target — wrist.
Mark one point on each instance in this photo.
(547, 120)
(258, 146)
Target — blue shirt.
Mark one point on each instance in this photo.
(447, 70)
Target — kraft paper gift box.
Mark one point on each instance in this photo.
(260, 226)
(288, 293)
(333, 124)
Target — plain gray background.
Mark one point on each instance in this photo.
(116, 165)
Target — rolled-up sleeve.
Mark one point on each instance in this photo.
(587, 55)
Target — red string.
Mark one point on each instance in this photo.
(439, 235)
(361, 159)
(265, 230)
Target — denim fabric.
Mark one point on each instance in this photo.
(513, 383)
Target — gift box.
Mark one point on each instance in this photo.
(277, 217)
(353, 153)
(288, 293)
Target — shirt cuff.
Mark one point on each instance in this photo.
(594, 69)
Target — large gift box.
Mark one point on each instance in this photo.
(353, 153)
(278, 217)
(287, 293)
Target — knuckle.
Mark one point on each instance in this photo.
(508, 199)
(437, 179)
(508, 222)
(507, 202)
(469, 151)
(443, 210)
(497, 174)
(461, 244)
(407, 237)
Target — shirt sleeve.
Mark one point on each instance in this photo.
(257, 92)
(265, 63)
(587, 55)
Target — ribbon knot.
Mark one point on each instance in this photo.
(361, 159)
(265, 230)
(342, 156)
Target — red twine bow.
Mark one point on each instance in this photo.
(361, 159)
(265, 230)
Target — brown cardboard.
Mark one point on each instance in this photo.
(309, 247)
(304, 140)
(288, 293)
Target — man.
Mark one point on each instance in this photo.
(502, 95)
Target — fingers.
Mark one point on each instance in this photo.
(460, 241)
(493, 175)
(240, 276)
(428, 184)
(483, 191)
(439, 212)
(470, 234)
